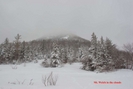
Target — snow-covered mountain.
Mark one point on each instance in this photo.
(71, 37)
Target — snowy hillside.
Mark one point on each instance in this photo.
(29, 76)
(64, 37)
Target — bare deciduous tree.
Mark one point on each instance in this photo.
(129, 49)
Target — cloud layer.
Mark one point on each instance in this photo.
(36, 18)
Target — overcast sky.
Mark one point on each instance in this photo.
(36, 18)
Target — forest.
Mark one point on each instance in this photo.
(95, 55)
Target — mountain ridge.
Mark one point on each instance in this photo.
(71, 37)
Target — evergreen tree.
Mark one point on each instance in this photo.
(93, 52)
(6, 51)
(55, 58)
(90, 62)
(17, 48)
(108, 54)
(101, 56)
(93, 48)
(23, 52)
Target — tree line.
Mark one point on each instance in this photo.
(19, 52)
(95, 55)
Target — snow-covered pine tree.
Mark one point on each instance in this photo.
(93, 48)
(55, 58)
(109, 64)
(98, 60)
(17, 48)
(104, 60)
(93, 52)
(23, 51)
(5, 51)
(90, 62)
(101, 58)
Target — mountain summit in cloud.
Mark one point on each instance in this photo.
(70, 37)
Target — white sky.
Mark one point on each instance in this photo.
(37, 18)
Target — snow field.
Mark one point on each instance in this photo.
(69, 77)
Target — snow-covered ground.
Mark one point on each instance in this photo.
(69, 77)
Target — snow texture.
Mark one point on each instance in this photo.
(66, 37)
(29, 76)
